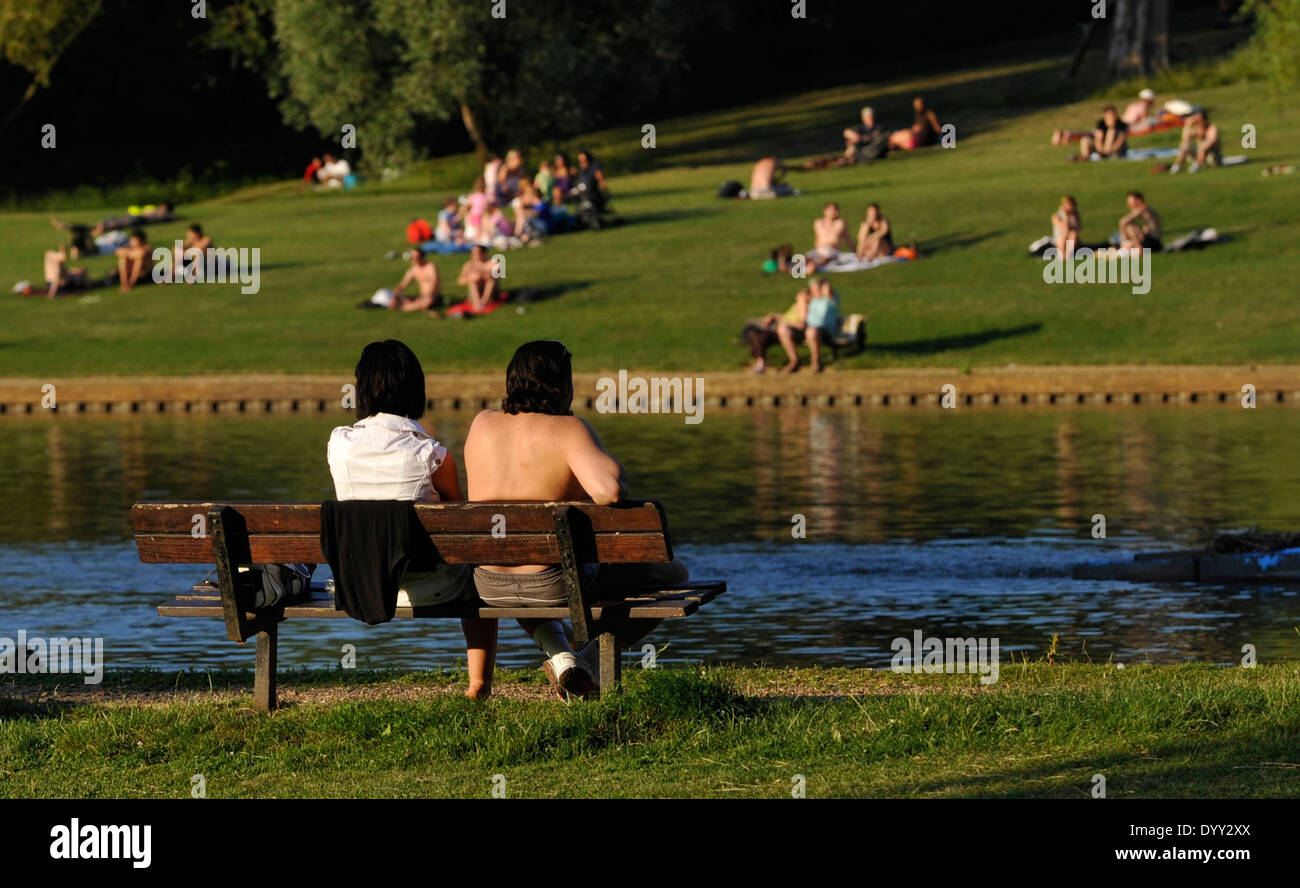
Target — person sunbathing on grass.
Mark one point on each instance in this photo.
(924, 130)
(194, 249)
(131, 260)
(1201, 136)
(1108, 139)
(84, 235)
(424, 274)
(1139, 229)
(829, 235)
(1137, 116)
(874, 241)
(534, 449)
(477, 277)
(58, 276)
(765, 181)
(1065, 224)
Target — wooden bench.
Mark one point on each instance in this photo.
(229, 535)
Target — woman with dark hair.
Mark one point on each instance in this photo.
(535, 449)
(924, 130)
(387, 455)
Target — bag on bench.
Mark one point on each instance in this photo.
(279, 583)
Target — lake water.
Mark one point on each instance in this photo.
(955, 523)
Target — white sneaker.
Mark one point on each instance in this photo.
(1193, 167)
(570, 675)
(1175, 168)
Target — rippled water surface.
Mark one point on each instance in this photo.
(950, 522)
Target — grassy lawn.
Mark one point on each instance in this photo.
(670, 290)
(1042, 731)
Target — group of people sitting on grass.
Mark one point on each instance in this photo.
(867, 140)
(532, 449)
(328, 171)
(813, 318)
(479, 276)
(831, 237)
(1138, 229)
(1199, 146)
(132, 251)
(560, 197)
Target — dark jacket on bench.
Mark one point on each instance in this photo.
(369, 545)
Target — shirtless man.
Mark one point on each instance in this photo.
(874, 239)
(765, 182)
(58, 276)
(1203, 136)
(424, 274)
(131, 260)
(829, 235)
(1136, 114)
(535, 449)
(194, 251)
(476, 275)
(1140, 228)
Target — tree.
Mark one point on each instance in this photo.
(1139, 38)
(390, 66)
(34, 35)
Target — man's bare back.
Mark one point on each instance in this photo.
(538, 457)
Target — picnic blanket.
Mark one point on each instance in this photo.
(848, 262)
(444, 247)
(463, 309)
(1164, 154)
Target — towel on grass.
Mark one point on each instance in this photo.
(849, 262)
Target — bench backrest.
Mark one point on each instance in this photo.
(463, 533)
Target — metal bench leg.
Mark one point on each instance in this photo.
(611, 663)
(264, 676)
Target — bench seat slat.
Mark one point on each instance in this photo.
(178, 517)
(640, 608)
(513, 549)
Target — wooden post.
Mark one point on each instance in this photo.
(264, 674)
(579, 609)
(230, 550)
(611, 663)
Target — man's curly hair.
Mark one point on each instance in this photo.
(540, 379)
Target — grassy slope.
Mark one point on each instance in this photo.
(1175, 731)
(670, 290)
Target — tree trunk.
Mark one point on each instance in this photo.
(1139, 38)
(471, 127)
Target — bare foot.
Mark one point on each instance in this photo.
(478, 690)
(790, 368)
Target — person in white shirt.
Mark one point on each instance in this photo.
(388, 455)
(333, 171)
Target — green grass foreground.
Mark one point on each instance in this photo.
(1042, 731)
(670, 290)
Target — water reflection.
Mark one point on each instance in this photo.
(957, 522)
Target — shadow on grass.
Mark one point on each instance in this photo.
(1216, 773)
(670, 215)
(529, 295)
(951, 343)
(957, 240)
